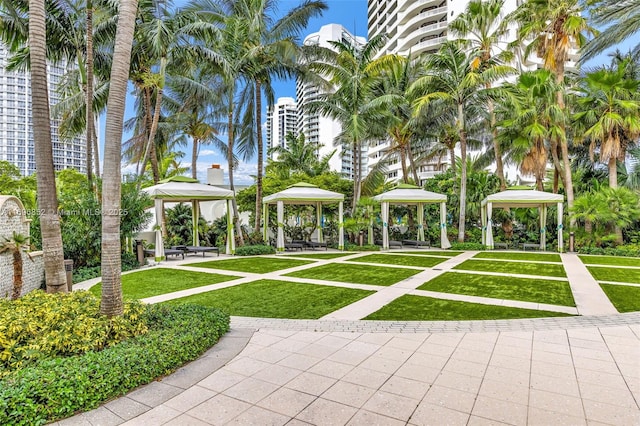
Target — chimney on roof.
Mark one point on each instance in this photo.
(215, 175)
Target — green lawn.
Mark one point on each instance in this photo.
(397, 259)
(445, 253)
(524, 289)
(277, 299)
(624, 297)
(545, 257)
(152, 282)
(549, 270)
(359, 274)
(610, 260)
(615, 274)
(257, 265)
(418, 308)
(322, 256)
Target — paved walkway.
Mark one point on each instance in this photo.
(589, 297)
(340, 370)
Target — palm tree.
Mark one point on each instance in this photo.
(14, 245)
(622, 19)
(556, 27)
(609, 108)
(349, 69)
(451, 78)
(111, 301)
(298, 156)
(480, 25)
(47, 199)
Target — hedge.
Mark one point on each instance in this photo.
(57, 388)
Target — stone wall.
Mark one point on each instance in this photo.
(12, 219)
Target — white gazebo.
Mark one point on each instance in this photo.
(303, 194)
(413, 196)
(513, 198)
(183, 189)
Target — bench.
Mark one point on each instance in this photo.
(503, 246)
(526, 246)
(203, 250)
(167, 252)
(416, 243)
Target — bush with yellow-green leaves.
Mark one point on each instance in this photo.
(60, 357)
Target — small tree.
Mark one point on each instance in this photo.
(14, 244)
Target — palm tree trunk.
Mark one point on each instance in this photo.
(194, 158)
(403, 164)
(356, 175)
(412, 164)
(613, 172)
(557, 167)
(236, 216)
(46, 184)
(96, 152)
(111, 301)
(564, 147)
(463, 173)
(17, 273)
(258, 116)
(452, 158)
(89, 93)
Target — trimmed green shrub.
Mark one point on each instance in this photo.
(630, 250)
(59, 387)
(254, 250)
(366, 247)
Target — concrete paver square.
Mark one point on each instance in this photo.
(310, 383)
(156, 416)
(461, 382)
(610, 414)
(362, 347)
(506, 375)
(367, 418)
(218, 410)
(269, 355)
(251, 390)
(465, 367)
(480, 421)
(348, 357)
(433, 415)
(447, 339)
(587, 344)
(287, 401)
(265, 339)
(299, 361)
(512, 352)
(601, 379)
(553, 370)
(609, 367)
(333, 369)
(599, 354)
(221, 380)
(126, 408)
(334, 341)
(418, 372)
(186, 420)
(428, 360)
(395, 354)
(325, 412)
(366, 377)
(259, 416)
(309, 336)
(190, 398)
(402, 343)
(435, 349)
(391, 405)
(100, 416)
(505, 391)
(564, 404)
(471, 355)
(246, 366)
(551, 347)
(560, 385)
(619, 397)
(542, 417)
(502, 411)
(512, 363)
(406, 387)
(153, 394)
(450, 398)
(317, 350)
(383, 365)
(277, 374)
(349, 394)
(375, 338)
(552, 358)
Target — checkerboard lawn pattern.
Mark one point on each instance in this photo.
(398, 259)
(625, 298)
(445, 253)
(541, 269)
(610, 260)
(152, 282)
(256, 265)
(277, 299)
(322, 256)
(618, 275)
(358, 274)
(498, 287)
(418, 308)
(544, 257)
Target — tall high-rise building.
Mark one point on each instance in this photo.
(282, 119)
(16, 133)
(318, 129)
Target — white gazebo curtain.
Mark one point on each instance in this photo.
(522, 199)
(413, 195)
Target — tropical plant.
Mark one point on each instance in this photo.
(622, 19)
(298, 156)
(14, 245)
(111, 301)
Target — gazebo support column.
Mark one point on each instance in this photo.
(265, 223)
(370, 230)
(385, 226)
(340, 227)
(231, 242)
(560, 227)
(420, 222)
(195, 217)
(489, 239)
(543, 227)
(158, 204)
(483, 222)
(444, 241)
(319, 221)
(280, 239)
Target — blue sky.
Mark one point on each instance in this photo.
(352, 14)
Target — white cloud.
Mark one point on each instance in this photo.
(206, 152)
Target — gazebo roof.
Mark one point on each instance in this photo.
(522, 198)
(410, 194)
(304, 193)
(187, 190)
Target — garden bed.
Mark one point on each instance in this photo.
(506, 267)
(358, 274)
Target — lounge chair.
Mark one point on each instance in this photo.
(203, 250)
(392, 243)
(416, 243)
(294, 245)
(167, 252)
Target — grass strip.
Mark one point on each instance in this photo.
(152, 282)
(524, 289)
(618, 275)
(256, 265)
(322, 256)
(610, 260)
(445, 253)
(534, 257)
(397, 259)
(625, 298)
(277, 299)
(418, 308)
(359, 274)
(548, 270)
